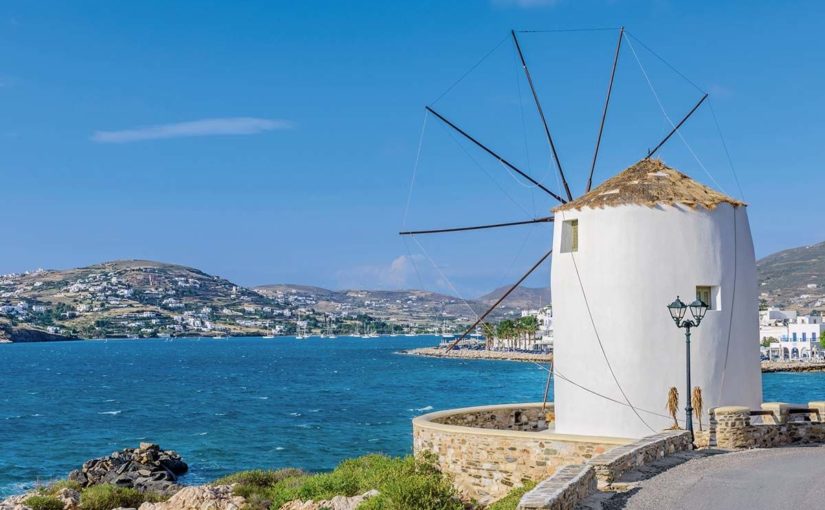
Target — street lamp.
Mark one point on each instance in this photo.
(677, 313)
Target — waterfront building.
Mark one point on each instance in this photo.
(621, 254)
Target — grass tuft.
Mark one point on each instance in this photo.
(41, 502)
(511, 500)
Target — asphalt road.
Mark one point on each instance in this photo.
(775, 478)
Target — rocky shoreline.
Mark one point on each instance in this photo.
(146, 478)
(793, 366)
(435, 352)
(146, 469)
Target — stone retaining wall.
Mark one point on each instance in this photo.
(487, 463)
(733, 427)
(562, 491)
(532, 419)
(612, 465)
(571, 484)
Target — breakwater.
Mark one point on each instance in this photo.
(793, 366)
(435, 352)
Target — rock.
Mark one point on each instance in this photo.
(336, 503)
(203, 497)
(14, 503)
(69, 497)
(146, 468)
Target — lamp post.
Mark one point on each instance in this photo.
(677, 313)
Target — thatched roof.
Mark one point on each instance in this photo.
(650, 182)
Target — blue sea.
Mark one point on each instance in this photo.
(242, 403)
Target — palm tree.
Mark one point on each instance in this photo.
(489, 334)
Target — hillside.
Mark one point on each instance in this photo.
(134, 298)
(402, 306)
(794, 278)
(522, 298)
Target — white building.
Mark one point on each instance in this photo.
(621, 254)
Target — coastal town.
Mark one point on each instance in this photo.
(144, 299)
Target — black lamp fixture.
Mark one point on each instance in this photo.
(677, 311)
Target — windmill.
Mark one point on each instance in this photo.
(616, 245)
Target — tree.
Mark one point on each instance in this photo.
(489, 333)
(822, 340)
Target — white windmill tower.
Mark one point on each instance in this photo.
(622, 252)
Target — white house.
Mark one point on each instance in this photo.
(621, 254)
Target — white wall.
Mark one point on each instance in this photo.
(632, 261)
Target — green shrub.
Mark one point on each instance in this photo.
(40, 502)
(107, 497)
(510, 501)
(403, 484)
(259, 477)
(55, 487)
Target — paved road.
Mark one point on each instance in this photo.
(780, 478)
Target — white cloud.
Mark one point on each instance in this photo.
(403, 272)
(525, 4)
(203, 127)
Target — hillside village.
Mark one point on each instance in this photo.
(142, 299)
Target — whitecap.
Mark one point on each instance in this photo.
(295, 414)
(113, 413)
(420, 409)
(220, 414)
(201, 433)
(279, 448)
(262, 398)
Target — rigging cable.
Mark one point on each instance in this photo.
(669, 120)
(732, 303)
(601, 346)
(447, 280)
(470, 70)
(481, 167)
(727, 153)
(558, 374)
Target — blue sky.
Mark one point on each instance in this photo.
(275, 141)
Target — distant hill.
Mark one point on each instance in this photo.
(416, 306)
(522, 297)
(794, 278)
(132, 298)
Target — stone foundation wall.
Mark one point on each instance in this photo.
(735, 428)
(487, 463)
(510, 418)
(571, 484)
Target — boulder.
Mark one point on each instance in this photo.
(69, 497)
(146, 468)
(203, 497)
(336, 503)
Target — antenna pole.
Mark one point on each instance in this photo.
(541, 115)
(547, 219)
(604, 112)
(676, 127)
(498, 302)
(490, 152)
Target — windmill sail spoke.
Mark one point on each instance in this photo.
(541, 115)
(498, 301)
(604, 112)
(499, 158)
(676, 127)
(547, 219)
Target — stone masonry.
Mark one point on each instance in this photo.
(486, 463)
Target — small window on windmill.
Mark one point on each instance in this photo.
(570, 236)
(710, 295)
